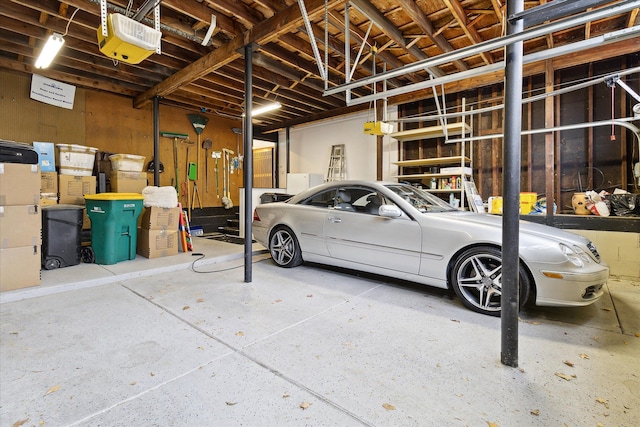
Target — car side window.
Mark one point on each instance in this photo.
(321, 200)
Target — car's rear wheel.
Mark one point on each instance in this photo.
(476, 278)
(284, 248)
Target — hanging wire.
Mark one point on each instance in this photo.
(66, 31)
(613, 113)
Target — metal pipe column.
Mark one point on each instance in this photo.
(511, 188)
(156, 141)
(247, 143)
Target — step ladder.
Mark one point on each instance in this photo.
(337, 170)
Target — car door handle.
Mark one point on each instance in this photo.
(334, 219)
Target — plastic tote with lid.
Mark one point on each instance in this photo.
(114, 222)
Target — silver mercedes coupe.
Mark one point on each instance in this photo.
(401, 231)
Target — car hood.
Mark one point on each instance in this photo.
(525, 227)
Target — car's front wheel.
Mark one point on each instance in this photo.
(284, 248)
(476, 277)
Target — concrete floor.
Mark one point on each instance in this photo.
(154, 343)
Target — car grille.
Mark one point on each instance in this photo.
(594, 251)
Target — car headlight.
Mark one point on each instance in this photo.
(574, 254)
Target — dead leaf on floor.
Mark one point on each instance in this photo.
(152, 374)
(278, 300)
(492, 424)
(563, 376)
(522, 370)
(240, 334)
(200, 300)
(53, 389)
(535, 412)
(606, 309)
(286, 395)
(603, 401)
(20, 422)
(596, 338)
(584, 356)
(388, 407)
(133, 383)
(566, 362)
(305, 405)
(231, 403)
(310, 296)
(186, 307)
(454, 320)
(638, 335)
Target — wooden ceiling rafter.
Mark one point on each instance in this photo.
(211, 76)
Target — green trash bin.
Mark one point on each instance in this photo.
(114, 225)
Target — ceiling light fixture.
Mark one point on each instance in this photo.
(264, 109)
(50, 50)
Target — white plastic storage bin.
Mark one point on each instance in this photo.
(127, 162)
(76, 159)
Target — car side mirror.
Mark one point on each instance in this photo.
(390, 211)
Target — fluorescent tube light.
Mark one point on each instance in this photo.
(264, 109)
(50, 50)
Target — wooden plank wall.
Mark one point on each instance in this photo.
(109, 123)
(584, 158)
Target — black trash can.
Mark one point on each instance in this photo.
(274, 197)
(61, 235)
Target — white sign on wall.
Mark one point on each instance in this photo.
(52, 92)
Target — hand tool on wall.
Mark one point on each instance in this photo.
(216, 155)
(206, 144)
(226, 175)
(199, 122)
(186, 191)
(176, 138)
(237, 161)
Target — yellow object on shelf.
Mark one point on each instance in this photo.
(527, 201)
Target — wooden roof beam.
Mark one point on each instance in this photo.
(392, 32)
(415, 13)
(265, 31)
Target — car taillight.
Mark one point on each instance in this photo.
(255, 215)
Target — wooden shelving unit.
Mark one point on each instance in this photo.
(463, 163)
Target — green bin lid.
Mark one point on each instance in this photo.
(114, 196)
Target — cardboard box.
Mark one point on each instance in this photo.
(72, 188)
(20, 225)
(20, 267)
(155, 218)
(128, 182)
(47, 199)
(19, 184)
(157, 243)
(49, 182)
(46, 155)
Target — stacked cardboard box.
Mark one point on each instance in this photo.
(20, 220)
(158, 232)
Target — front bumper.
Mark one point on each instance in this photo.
(562, 289)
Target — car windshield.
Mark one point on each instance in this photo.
(420, 199)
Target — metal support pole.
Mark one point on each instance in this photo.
(511, 188)
(247, 143)
(156, 141)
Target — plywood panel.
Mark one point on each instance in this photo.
(26, 120)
